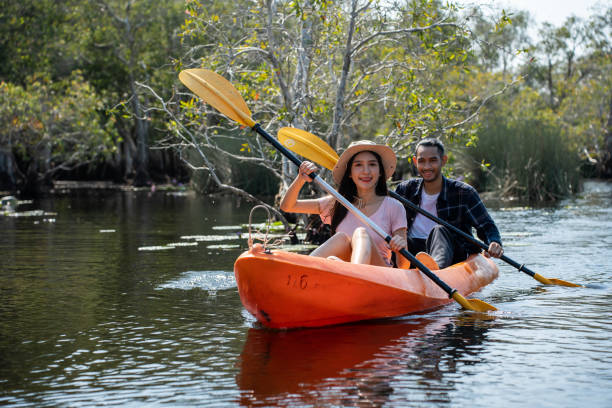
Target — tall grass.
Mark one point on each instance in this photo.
(524, 156)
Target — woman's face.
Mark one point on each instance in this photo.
(365, 171)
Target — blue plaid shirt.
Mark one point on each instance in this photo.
(458, 204)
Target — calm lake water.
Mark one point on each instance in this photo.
(129, 299)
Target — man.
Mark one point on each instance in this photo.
(453, 201)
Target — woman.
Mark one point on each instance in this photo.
(361, 173)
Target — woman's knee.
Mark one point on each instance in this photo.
(342, 237)
(360, 233)
(339, 245)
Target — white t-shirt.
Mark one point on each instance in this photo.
(422, 226)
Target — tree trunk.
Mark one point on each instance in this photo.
(334, 136)
(127, 149)
(141, 134)
(551, 88)
(7, 169)
(299, 99)
(140, 131)
(141, 123)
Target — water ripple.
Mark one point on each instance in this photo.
(205, 280)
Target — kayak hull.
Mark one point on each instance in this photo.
(288, 290)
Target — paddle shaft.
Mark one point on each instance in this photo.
(361, 216)
(405, 201)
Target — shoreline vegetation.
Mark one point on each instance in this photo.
(89, 94)
(62, 187)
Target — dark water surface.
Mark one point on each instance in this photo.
(129, 299)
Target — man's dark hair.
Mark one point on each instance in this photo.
(430, 142)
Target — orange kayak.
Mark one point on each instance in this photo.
(288, 290)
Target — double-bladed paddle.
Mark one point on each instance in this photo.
(314, 148)
(221, 94)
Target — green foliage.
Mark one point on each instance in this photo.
(112, 46)
(572, 70)
(501, 39)
(523, 151)
(33, 38)
(530, 140)
(50, 126)
(128, 41)
(73, 73)
(417, 70)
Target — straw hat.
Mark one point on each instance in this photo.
(386, 154)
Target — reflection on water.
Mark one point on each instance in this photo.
(358, 363)
(88, 319)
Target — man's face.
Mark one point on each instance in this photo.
(429, 163)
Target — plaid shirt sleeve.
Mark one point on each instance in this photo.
(478, 216)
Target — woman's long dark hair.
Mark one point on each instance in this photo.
(348, 189)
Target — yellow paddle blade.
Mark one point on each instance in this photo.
(561, 282)
(219, 93)
(309, 146)
(553, 281)
(476, 305)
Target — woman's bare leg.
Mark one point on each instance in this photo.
(364, 251)
(338, 245)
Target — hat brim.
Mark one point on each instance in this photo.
(386, 154)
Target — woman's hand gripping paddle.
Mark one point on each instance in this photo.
(221, 94)
(313, 148)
